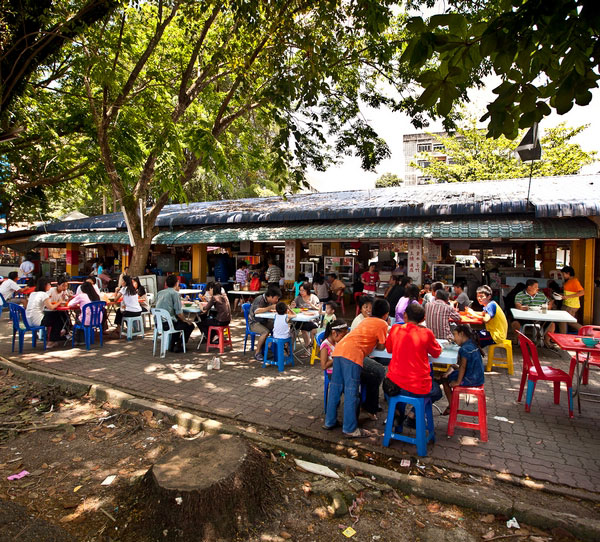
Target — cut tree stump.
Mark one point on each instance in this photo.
(208, 489)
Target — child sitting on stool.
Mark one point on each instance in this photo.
(281, 326)
(469, 371)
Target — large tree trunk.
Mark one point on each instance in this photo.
(138, 260)
(206, 490)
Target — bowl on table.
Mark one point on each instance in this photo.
(590, 341)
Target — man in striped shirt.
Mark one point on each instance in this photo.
(273, 274)
(438, 315)
(532, 296)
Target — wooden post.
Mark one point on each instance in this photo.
(548, 258)
(199, 262)
(530, 255)
(72, 259)
(335, 249)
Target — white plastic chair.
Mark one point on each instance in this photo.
(164, 335)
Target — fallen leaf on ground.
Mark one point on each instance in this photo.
(455, 475)
(419, 524)
(488, 535)
(285, 534)
(415, 501)
(385, 524)
(488, 518)
(433, 507)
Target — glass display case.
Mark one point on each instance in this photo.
(342, 266)
(443, 272)
(308, 268)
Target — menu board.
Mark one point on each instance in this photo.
(290, 261)
(415, 260)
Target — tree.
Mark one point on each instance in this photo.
(388, 179)
(475, 157)
(31, 33)
(172, 85)
(547, 54)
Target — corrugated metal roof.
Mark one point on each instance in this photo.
(513, 228)
(568, 196)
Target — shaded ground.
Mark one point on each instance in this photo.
(544, 445)
(78, 444)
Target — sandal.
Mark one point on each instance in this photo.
(358, 433)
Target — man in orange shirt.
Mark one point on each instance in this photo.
(348, 358)
(572, 291)
(409, 372)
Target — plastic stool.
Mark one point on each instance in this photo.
(280, 359)
(131, 332)
(224, 338)
(340, 302)
(423, 419)
(506, 362)
(315, 353)
(481, 411)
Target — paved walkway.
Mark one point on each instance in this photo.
(544, 444)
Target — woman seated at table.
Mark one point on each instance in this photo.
(220, 303)
(40, 311)
(411, 296)
(142, 295)
(306, 300)
(128, 296)
(496, 325)
(87, 294)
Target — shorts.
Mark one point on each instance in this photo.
(261, 329)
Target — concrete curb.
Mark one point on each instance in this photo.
(488, 501)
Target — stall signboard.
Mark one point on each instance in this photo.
(431, 251)
(290, 261)
(394, 246)
(415, 260)
(315, 249)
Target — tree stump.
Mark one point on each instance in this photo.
(208, 489)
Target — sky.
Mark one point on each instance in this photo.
(391, 126)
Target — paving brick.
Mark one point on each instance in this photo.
(242, 389)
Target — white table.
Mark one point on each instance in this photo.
(189, 291)
(246, 292)
(304, 316)
(448, 356)
(537, 316)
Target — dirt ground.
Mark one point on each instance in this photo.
(84, 462)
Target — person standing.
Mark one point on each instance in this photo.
(572, 291)
(370, 280)
(26, 268)
(273, 274)
(170, 300)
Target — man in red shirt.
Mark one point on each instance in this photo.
(370, 279)
(409, 372)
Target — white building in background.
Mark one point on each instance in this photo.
(416, 144)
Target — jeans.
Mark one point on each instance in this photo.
(344, 379)
(371, 377)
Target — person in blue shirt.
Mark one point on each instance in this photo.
(469, 371)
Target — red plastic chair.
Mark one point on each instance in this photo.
(340, 302)
(533, 372)
(480, 413)
(581, 357)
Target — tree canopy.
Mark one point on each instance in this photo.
(388, 179)
(547, 54)
(474, 157)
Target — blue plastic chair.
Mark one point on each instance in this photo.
(279, 357)
(4, 305)
(199, 286)
(423, 419)
(249, 333)
(95, 310)
(22, 326)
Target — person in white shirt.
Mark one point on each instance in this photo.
(92, 280)
(128, 296)
(26, 268)
(9, 286)
(38, 302)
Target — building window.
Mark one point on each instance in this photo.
(423, 180)
(439, 147)
(423, 163)
(424, 147)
